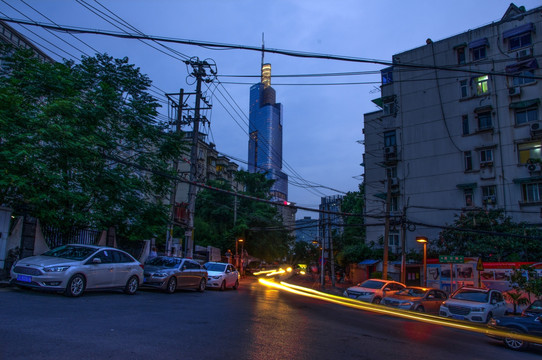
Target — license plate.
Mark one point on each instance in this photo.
(458, 317)
(24, 278)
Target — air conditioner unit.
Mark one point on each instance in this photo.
(389, 149)
(534, 167)
(536, 127)
(523, 53)
(513, 91)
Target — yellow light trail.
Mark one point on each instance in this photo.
(380, 309)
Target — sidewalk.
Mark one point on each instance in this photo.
(4, 279)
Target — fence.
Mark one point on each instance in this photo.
(53, 237)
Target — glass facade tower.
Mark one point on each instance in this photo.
(265, 141)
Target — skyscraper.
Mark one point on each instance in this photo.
(265, 128)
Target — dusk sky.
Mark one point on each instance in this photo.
(322, 124)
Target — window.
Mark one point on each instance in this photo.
(530, 150)
(484, 120)
(479, 53)
(531, 192)
(526, 115)
(489, 195)
(389, 107)
(481, 84)
(465, 124)
(468, 197)
(390, 138)
(387, 76)
(486, 157)
(464, 86)
(391, 172)
(393, 239)
(461, 59)
(468, 160)
(519, 41)
(524, 77)
(394, 203)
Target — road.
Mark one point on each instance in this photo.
(253, 322)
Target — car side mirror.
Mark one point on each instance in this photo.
(387, 289)
(96, 261)
(183, 268)
(493, 301)
(538, 318)
(430, 296)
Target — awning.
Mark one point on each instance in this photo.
(460, 45)
(368, 262)
(522, 65)
(467, 186)
(518, 30)
(484, 108)
(478, 43)
(381, 195)
(524, 104)
(385, 99)
(532, 179)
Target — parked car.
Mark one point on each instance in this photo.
(534, 309)
(170, 273)
(416, 298)
(474, 304)
(222, 275)
(73, 269)
(530, 325)
(373, 290)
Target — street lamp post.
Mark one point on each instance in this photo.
(242, 241)
(423, 240)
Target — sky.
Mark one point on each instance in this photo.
(322, 115)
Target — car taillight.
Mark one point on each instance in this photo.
(142, 266)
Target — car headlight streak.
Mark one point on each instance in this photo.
(405, 314)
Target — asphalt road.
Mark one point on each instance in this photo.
(253, 322)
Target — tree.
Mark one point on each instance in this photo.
(481, 233)
(76, 140)
(259, 223)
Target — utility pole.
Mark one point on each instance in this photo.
(199, 71)
(173, 197)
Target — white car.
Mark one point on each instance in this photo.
(474, 304)
(221, 275)
(373, 290)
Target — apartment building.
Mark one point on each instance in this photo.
(459, 128)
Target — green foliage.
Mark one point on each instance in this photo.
(69, 134)
(258, 223)
(476, 234)
(525, 279)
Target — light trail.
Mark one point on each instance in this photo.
(380, 309)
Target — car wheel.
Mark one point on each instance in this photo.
(131, 285)
(515, 344)
(420, 309)
(76, 286)
(489, 317)
(377, 300)
(202, 285)
(223, 285)
(236, 285)
(171, 285)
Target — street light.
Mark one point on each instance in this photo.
(423, 240)
(237, 251)
(242, 257)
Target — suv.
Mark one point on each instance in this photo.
(373, 290)
(474, 304)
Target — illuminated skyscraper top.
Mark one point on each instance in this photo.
(265, 128)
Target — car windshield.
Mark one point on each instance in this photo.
(371, 284)
(536, 305)
(215, 267)
(472, 295)
(162, 261)
(71, 252)
(412, 292)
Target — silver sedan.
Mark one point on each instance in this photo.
(72, 269)
(170, 273)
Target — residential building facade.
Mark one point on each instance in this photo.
(459, 128)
